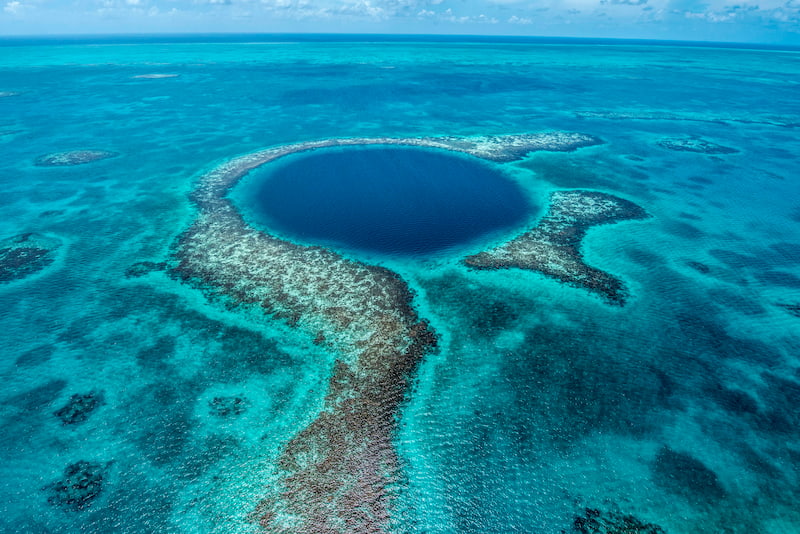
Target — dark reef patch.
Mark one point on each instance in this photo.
(156, 355)
(79, 407)
(700, 267)
(685, 475)
(792, 308)
(737, 260)
(782, 397)
(689, 216)
(81, 484)
(786, 253)
(493, 316)
(227, 406)
(142, 268)
(643, 257)
(735, 401)
(35, 356)
(779, 278)
(701, 180)
(552, 247)
(39, 397)
(694, 144)
(26, 254)
(683, 229)
(736, 301)
(594, 521)
(73, 157)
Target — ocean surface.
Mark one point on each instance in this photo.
(135, 402)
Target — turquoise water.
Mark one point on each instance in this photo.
(679, 408)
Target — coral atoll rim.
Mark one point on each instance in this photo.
(336, 473)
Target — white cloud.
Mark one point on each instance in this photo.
(13, 7)
(513, 19)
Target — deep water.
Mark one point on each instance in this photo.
(131, 403)
(392, 201)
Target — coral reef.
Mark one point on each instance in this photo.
(81, 484)
(26, 254)
(227, 406)
(335, 474)
(73, 157)
(694, 144)
(79, 407)
(552, 247)
(594, 521)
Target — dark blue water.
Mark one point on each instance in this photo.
(391, 200)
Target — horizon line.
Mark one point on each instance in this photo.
(190, 38)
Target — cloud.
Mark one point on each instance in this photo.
(513, 19)
(13, 7)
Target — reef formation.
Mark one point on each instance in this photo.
(73, 157)
(81, 484)
(694, 144)
(553, 246)
(336, 474)
(26, 254)
(594, 521)
(79, 407)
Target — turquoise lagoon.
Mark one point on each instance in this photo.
(135, 402)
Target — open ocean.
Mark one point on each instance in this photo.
(180, 356)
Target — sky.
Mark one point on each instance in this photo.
(753, 21)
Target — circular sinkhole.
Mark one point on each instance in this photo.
(390, 200)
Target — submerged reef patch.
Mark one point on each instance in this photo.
(792, 308)
(683, 474)
(336, 473)
(26, 254)
(81, 483)
(594, 521)
(694, 144)
(73, 157)
(79, 407)
(552, 247)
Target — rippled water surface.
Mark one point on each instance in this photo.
(133, 401)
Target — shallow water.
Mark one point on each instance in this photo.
(541, 401)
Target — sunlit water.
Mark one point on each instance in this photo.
(679, 408)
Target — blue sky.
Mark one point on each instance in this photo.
(770, 21)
